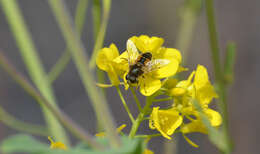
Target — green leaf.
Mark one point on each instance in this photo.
(129, 146)
(28, 144)
(22, 143)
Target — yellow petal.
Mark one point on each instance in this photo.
(57, 145)
(147, 151)
(177, 91)
(205, 94)
(167, 70)
(120, 128)
(113, 76)
(194, 126)
(101, 134)
(168, 53)
(145, 43)
(148, 85)
(170, 83)
(214, 117)
(201, 77)
(174, 56)
(105, 57)
(165, 121)
(120, 64)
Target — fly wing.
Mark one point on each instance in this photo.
(132, 52)
(155, 64)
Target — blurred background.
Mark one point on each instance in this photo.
(237, 20)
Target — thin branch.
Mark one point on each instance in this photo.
(125, 105)
(60, 65)
(79, 57)
(60, 115)
(138, 103)
(33, 64)
(16, 124)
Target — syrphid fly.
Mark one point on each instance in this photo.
(141, 63)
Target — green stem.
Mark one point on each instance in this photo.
(229, 62)
(213, 39)
(79, 57)
(59, 66)
(188, 18)
(76, 130)
(101, 33)
(163, 99)
(220, 82)
(140, 117)
(12, 122)
(33, 65)
(125, 105)
(64, 60)
(96, 14)
(136, 99)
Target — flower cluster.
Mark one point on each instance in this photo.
(109, 60)
(151, 67)
(196, 87)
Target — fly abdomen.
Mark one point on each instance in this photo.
(136, 70)
(145, 57)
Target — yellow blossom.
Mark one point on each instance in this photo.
(105, 62)
(57, 145)
(147, 151)
(194, 126)
(197, 125)
(196, 87)
(165, 62)
(170, 59)
(165, 121)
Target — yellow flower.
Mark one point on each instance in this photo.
(196, 87)
(197, 126)
(118, 130)
(165, 121)
(200, 88)
(145, 43)
(57, 145)
(194, 126)
(147, 151)
(165, 62)
(105, 62)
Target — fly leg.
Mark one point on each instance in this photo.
(144, 84)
